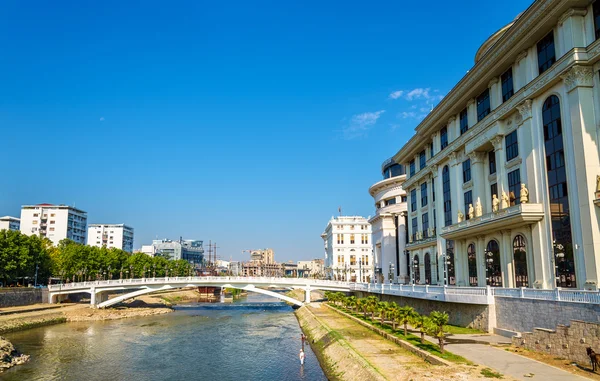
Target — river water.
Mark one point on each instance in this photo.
(257, 338)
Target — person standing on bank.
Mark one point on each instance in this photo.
(301, 356)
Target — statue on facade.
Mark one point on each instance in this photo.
(419, 235)
(460, 217)
(410, 238)
(524, 194)
(597, 183)
(471, 211)
(495, 203)
(505, 200)
(478, 208)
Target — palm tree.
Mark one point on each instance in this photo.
(382, 309)
(405, 315)
(351, 302)
(340, 297)
(372, 302)
(437, 327)
(394, 314)
(421, 322)
(361, 304)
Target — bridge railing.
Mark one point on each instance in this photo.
(196, 279)
(557, 294)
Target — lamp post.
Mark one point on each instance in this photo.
(489, 263)
(446, 260)
(559, 256)
(390, 272)
(415, 266)
(131, 271)
(360, 270)
(153, 270)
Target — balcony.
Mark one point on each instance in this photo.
(514, 216)
(427, 239)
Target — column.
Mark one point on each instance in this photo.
(459, 260)
(453, 130)
(520, 71)
(471, 113)
(495, 93)
(506, 260)
(530, 151)
(571, 31)
(481, 264)
(439, 211)
(531, 259)
(501, 179)
(455, 186)
(401, 242)
(436, 143)
(479, 179)
(583, 165)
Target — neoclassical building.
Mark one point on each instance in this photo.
(389, 224)
(503, 174)
(348, 250)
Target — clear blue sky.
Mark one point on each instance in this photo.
(247, 123)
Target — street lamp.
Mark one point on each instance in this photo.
(446, 263)
(415, 266)
(153, 270)
(391, 273)
(559, 256)
(489, 263)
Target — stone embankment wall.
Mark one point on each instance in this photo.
(524, 315)
(465, 315)
(569, 342)
(339, 362)
(11, 297)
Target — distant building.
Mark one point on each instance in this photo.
(348, 250)
(9, 223)
(236, 268)
(256, 268)
(311, 269)
(148, 250)
(389, 224)
(264, 256)
(55, 222)
(189, 250)
(119, 236)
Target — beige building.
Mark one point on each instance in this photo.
(510, 160)
(265, 256)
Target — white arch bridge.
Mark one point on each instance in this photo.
(99, 290)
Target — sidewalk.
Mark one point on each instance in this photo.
(30, 308)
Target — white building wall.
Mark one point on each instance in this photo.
(117, 236)
(9, 223)
(55, 222)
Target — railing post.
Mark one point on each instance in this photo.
(427, 289)
(557, 293)
(445, 288)
(522, 292)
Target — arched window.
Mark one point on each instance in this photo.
(520, 261)
(451, 278)
(472, 260)
(447, 197)
(416, 275)
(558, 192)
(493, 268)
(427, 263)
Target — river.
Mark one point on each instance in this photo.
(257, 338)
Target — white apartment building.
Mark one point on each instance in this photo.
(348, 250)
(389, 224)
(509, 161)
(9, 223)
(119, 236)
(55, 222)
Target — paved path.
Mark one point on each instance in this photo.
(30, 308)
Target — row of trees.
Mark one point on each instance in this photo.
(392, 314)
(24, 257)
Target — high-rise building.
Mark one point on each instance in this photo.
(266, 256)
(189, 250)
(9, 223)
(55, 222)
(389, 224)
(119, 236)
(348, 249)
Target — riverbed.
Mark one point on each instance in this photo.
(257, 338)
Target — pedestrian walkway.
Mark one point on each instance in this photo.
(30, 308)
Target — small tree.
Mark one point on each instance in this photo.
(421, 322)
(351, 302)
(405, 316)
(362, 305)
(372, 302)
(438, 327)
(394, 314)
(382, 310)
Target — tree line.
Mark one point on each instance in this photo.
(393, 314)
(23, 256)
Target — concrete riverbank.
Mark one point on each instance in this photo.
(348, 351)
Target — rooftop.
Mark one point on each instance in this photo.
(54, 206)
(9, 218)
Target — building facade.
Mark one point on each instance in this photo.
(506, 168)
(311, 269)
(264, 255)
(10, 223)
(348, 249)
(55, 222)
(189, 250)
(389, 224)
(119, 236)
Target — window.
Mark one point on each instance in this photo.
(34, 222)
(51, 222)
(424, 194)
(404, 198)
(464, 121)
(365, 260)
(434, 220)
(422, 160)
(512, 145)
(415, 227)
(492, 161)
(36, 215)
(51, 229)
(507, 85)
(412, 168)
(514, 186)
(340, 259)
(466, 166)
(340, 239)
(425, 224)
(483, 104)
(520, 261)
(364, 239)
(352, 260)
(472, 264)
(546, 53)
(351, 227)
(413, 200)
(352, 239)
(341, 227)
(558, 191)
(494, 191)
(433, 188)
(596, 9)
(431, 153)
(443, 138)
(468, 201)
(391, 201)
(447, 196)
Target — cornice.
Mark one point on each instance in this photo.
(578, 76)
(386, 183)
(500, 56)
(572, 12)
